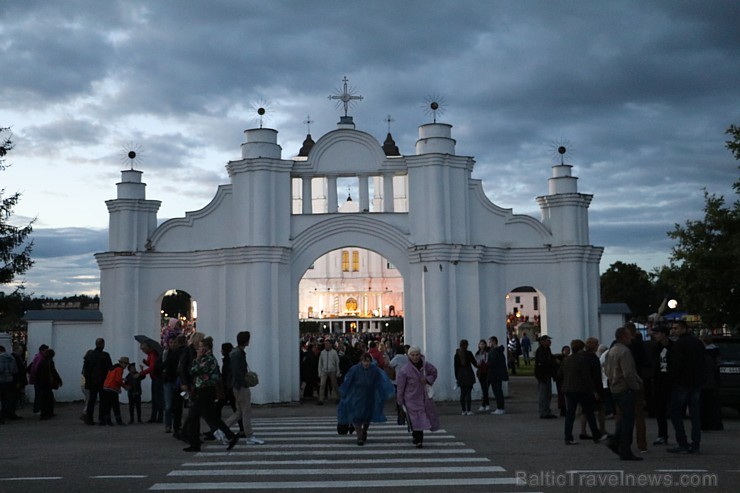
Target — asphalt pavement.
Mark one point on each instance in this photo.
(514, 452)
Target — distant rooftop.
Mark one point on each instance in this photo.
(65, 315)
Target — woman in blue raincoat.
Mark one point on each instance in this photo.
(362, 395)
(412, 396)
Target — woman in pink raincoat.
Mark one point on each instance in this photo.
(411, 394)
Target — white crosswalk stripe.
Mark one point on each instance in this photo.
(307, 454)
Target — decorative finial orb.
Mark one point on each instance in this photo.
(132, 154)
(560, 148)
(263, 110)
(435, 105)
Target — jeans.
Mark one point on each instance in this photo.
(157, 400)
(169, 396)
(498, 393)
(466, 392)
(681, 397)
(544, 392)
(625, 402)
(484, 390)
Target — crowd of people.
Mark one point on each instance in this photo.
(628, 381)
(185, 375)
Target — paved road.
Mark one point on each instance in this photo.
(515, 452)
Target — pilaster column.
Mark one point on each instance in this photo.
(364, 194)
(388, 193)
(307, 197)
(332, 195)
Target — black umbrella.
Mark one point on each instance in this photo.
(156, 346)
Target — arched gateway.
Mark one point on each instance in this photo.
(243, 255)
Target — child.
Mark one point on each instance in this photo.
(111, 388)
(133, 389)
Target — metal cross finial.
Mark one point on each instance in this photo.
(346, 97)
(308, 123)
(388, 120)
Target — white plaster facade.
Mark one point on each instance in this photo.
(243, 256)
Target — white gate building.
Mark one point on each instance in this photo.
(242, 256)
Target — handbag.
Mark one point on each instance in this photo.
(430, 391)
(251, 379)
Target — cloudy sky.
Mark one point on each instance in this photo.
(640, 91)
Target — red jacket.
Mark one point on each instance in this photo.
(114, 380)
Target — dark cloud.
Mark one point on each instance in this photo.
(67, 242)
(641, 91)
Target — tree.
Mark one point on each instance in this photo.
(15, 249)
(628, 283)
(707, 256)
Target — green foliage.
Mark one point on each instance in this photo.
(706, 261)
(15, 249)
(628, 283)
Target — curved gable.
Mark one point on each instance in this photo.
(198, 230)
(501, 227)
(346, 151)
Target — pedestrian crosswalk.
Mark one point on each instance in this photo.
(308, 454)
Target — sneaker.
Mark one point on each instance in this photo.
(464, 413)
(221, 437)
(601, 438)
(499, 412)
(571, 442)
(661, 441)
(471, 413)
(253, 440)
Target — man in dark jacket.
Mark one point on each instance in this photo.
(544, 365)
(95, 368)
(687, 367)
(661, 391)
(497, 373)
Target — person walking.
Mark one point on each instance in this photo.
(526, 344)
(464, 366)
(95, 368)
(328, 370)
(481, 363)
(112, 386)
(581, 388)
(497, 373)
(8, 371)
(412, 395)
(624, 383)
(242, 393)
(32, 369)
(661, 392)
(363, 392)
(206, 376)
(48, 380)
(543, 371)
(688, 369)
